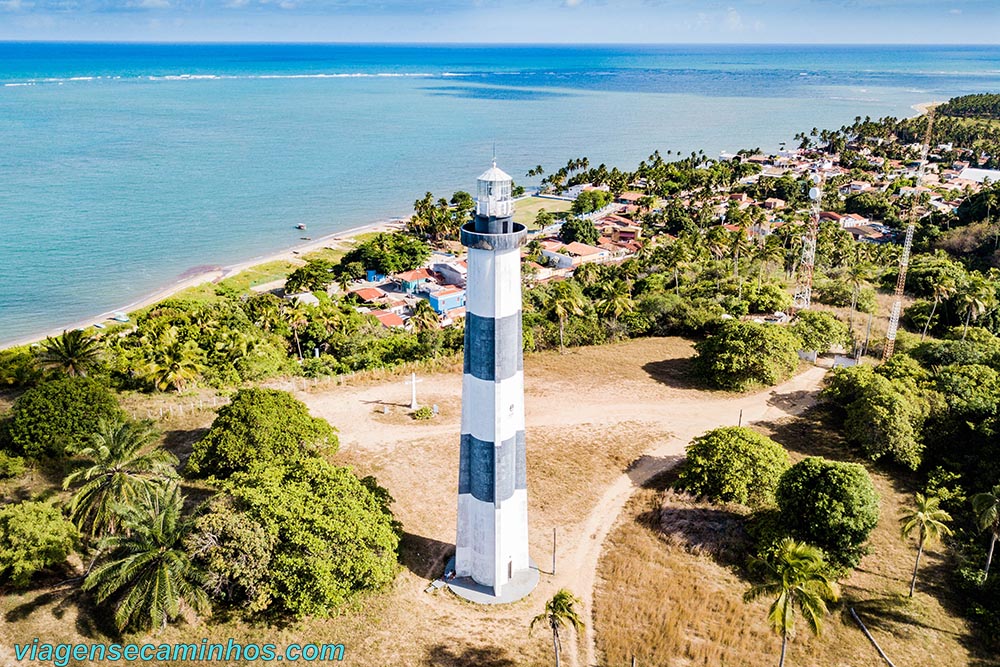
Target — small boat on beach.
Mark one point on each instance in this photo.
(98, 325)
(119, 317)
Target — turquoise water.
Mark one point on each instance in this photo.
(123, 166)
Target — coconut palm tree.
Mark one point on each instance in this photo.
(587, 274)
(424, 317)
(986, 507)
(857, 274)
(174, 362)
(942, 292)
(929, 520)
(559, 612)
(297, 318)
(72, 353)
(616, 302)
(796, 577)
(148, 576)
(565, 300)
(118, 474)
(974, 298)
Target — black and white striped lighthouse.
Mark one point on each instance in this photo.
(492, 540)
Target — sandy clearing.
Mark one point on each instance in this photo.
(611, 423)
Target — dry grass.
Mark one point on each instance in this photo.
(575, 451)
(648, 580)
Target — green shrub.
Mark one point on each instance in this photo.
(334, 535)
(58, 418)
(422, 413)
(819, 330)
(743, 354)
(259, 427)
(734, 464)
(33, 536)
(10, 466)
(830, 504)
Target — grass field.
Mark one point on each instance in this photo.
(648, 612)
(526, 209)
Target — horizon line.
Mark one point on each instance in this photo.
(483, 44)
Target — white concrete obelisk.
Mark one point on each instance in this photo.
(492, 539)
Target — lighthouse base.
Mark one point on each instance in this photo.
(523, 582)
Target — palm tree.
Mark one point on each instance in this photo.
(986, 507)
(424, 317)
(297, 318)
(174, 362)
(72, 353)
(929, 519)
(796, 577)
(975, 298)
(857, 274)
(587, 274)
(148, 575)
(559, 612)
(118, 474)
(616, 302)
(942, 292)
(565, 300)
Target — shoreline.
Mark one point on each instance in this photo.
(922, 108)
(215, 274)
(200, 275)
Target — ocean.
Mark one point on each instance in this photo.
(122, 166)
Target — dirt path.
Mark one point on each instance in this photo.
(600, 422)
(685, 421)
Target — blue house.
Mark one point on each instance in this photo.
(447, 298)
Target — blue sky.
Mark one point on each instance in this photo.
(533, 21)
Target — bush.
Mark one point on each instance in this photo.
(10, 466)
(334, 535)
(830, 504)
(33, 536)
(884, 421)
(742, 354)
(259, 427)
(818, 330)
(768, 298)
(734, 464)
(235, 552)
(578, 229)
(386, 253)
(423, 413)
(58, 418)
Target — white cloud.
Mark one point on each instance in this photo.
(733, 21)
(955, 11)
(15, 5)
(572, 3)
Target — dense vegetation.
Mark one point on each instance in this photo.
(733, 464)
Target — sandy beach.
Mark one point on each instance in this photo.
(203, 274)
(922, 108)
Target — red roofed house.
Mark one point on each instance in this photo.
(389, 320)
(368, 294)
(411, 281)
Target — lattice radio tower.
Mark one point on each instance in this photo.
(904, 259)
(803, 287)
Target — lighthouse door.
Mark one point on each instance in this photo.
(510, 570)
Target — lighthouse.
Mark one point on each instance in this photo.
(491, 547)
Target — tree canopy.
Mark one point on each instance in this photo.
(734, 464)
(58, 417)
(259, 427)
(332, 534)
(743, 354)
(33, 536)
(830, 504)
